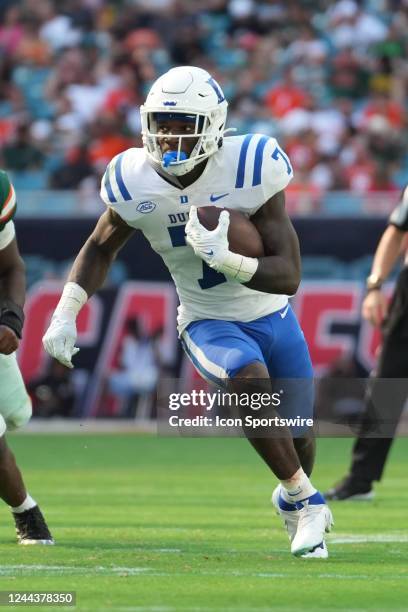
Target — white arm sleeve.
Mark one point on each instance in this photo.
(7, 235)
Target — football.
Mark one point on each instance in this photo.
(243, 236)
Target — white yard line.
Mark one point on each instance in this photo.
(379, 538)
(25, 569)
(11, 570)
(89, 426)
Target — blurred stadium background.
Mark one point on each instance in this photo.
(328, 79)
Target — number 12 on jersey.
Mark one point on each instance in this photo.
(211, 278)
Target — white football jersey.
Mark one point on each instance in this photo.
(243, 175)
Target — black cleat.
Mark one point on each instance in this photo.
(31, 527)
(350, 489)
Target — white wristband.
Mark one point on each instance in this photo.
(72, 299)
(239, 267)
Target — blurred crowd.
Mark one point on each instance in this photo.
(328, 79)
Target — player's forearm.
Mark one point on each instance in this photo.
(91, 266)
(12, 283)
(279, 271)
(387, 252)
(87, 276)
(275, 275)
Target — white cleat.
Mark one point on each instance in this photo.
(319, 552)
(27, 542)
(315, 519)
(290, 516)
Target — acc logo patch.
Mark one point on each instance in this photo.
(146, 207)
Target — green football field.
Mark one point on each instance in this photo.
(156, 524)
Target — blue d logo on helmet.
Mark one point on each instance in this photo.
(198, 99)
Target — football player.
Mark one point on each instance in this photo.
(15, 403)
(226, 300)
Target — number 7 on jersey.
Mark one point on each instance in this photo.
(210, 278)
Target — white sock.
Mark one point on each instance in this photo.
(27, 504)
(297, 488)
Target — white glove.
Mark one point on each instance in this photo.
(60, 338)
(211, 246)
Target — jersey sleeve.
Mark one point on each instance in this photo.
(114, 189)
(7, 235)
(8, 202)
(276, 172)
(399, 216)
(263, 169)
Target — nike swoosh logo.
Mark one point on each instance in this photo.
(214, 198)
(208, 252)
(285, 312)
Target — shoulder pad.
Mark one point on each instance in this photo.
(113, 185)
(261, 159)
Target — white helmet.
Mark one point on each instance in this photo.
(184, 92)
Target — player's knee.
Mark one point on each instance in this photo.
(255, 369)
(20, 415)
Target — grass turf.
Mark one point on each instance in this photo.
(163, 525)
